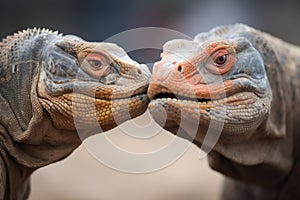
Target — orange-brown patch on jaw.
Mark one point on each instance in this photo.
(89, 111)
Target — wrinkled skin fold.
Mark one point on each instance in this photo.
(52, 86)
(241, 86)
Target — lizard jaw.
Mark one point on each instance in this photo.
(244, 108)
(69, 111)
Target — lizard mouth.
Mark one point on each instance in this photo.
(164, 94)
(230, 90)
(172, 96)
(165, 97)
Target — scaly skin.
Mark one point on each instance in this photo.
(245, 83)
(52, 86)
(105, 94)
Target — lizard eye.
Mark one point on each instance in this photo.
(221, 60)
(96, 64)
(96, 61)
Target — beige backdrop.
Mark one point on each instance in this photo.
(81, 176)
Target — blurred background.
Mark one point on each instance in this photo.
(82, 177)
(96, 20)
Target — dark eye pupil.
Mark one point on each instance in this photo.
(95, 63)
(221, 60)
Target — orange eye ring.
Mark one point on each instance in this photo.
(223, 61)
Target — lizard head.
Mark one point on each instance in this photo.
(229, 92)
(221, 79)
(91, 83)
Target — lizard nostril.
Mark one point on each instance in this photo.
(179, 68)
(139, 71)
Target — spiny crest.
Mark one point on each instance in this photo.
(13, 43)
(27, 34)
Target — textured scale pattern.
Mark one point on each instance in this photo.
(11, 46)
(258, 146)
(38, 74)
(12, 51)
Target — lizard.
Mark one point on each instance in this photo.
(244, 83)
(54, 87)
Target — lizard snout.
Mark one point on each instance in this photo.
(161, 71)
